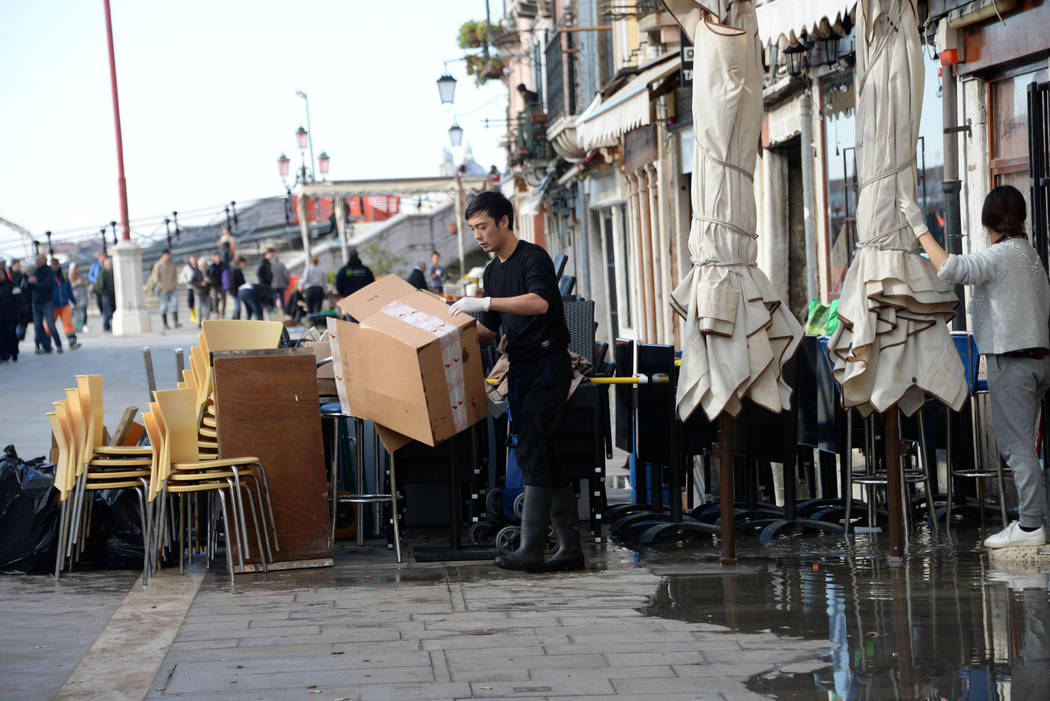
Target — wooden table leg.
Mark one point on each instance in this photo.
(893, 482)
(725, 470)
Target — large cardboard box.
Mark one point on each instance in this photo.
(415, 371)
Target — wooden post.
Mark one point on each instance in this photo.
(893, 481)
(725, 471)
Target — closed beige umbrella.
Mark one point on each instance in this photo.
(892, 346)
(736, 333)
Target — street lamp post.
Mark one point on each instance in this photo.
(309, 128)
(102, 233)
(50, 248)
(167, 231)
(233, 208)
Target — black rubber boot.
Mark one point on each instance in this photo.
(175, 318)
(565, 519)
(534, 520)
(164, 319)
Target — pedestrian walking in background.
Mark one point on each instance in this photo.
(163, 280)
(93, 272)
(353, 276)
(78, 279)
(436, 274)
(236, 280)
(249, 295)
(417, 278)
(1011, 308)
(25, 311)
(217, 270)
(202, 291)
(190, 276)
(228, 248)
(281, 280)
(107, 292)
(10, 294)
(314, 279)
(263, 288)
(65, 302)
(42, 291)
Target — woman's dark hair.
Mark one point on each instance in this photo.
(493, 204)
(1004, 211)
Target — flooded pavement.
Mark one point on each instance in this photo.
(944, 623)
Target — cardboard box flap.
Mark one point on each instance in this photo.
(392, 440)
(371, 298)
(369, 301)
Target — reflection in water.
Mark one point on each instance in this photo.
(942, 625)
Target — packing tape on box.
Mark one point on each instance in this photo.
(451, 354)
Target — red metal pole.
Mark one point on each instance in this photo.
(121, 183)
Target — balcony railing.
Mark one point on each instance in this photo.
(530, 143)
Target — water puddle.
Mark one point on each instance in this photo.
(943, 624)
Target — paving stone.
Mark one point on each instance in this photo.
(486, 641)
(565, 687)
(221, 681)
(642, 659)
(187, 653)
(550, 674)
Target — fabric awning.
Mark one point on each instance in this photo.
(602, 123)
(392, 186)
(787, 18)
(737, 333)
(892, 346)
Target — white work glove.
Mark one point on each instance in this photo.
(470, 305)
(913, 215)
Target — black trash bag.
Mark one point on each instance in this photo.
(28, 513)
(115, 541)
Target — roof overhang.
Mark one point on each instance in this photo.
(602, 123)
(392, 186)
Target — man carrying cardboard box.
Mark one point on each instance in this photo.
(524, 300)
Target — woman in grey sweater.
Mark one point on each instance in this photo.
(1010, 312)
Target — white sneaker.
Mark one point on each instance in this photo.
(1013, 536)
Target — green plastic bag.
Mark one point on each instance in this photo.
(823, 318)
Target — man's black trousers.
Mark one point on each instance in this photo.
(538, 390)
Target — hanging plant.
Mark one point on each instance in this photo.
(484, 69)
(471, 34)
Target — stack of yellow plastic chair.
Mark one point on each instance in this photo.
(181, 470)
(88, 466)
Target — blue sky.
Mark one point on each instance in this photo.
(208, 103)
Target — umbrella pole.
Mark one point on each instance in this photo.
(725, 471)
(893, 481)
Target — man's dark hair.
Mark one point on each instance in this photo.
(271, 250)
(165, 251)
(435, 253)
(241, 259)
(1004, 211)
(493, 204)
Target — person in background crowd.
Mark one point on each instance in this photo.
(297, 302)
(524, 302)
(314, 279)
(236, 280)
(228, 247)
(93, 272)
(263, 287)
(42, 290)
(65, 301)
(353, 276)
(416, 278)
(264, 273)
(216, 272)
(203, 291)
(78, 280)
(436, 274)
(164, 281)
(281, 280)
(1011, 309)
(107, 291)
(9, 315)
(189, 276)
(25, 313)
(248, 293)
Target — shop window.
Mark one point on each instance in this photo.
(1009, 130)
